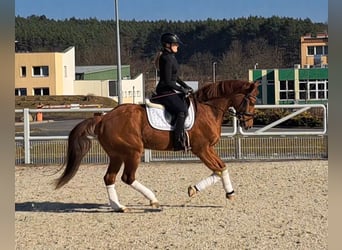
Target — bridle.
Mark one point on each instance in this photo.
(243, 116)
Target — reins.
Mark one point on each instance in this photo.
(160, 96)
(236, 113)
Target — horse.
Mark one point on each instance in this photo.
(125, 131)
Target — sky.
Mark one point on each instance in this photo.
(173, 10)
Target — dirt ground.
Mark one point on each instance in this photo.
(279, 205)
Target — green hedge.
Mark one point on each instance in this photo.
(265, 117)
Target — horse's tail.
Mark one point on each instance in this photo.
(78, 145)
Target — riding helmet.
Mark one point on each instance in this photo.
(170, 38)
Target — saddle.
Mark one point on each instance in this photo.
(160, 118)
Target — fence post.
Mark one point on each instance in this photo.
(27, 136)
(147, 153)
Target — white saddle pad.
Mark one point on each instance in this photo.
(161, 119)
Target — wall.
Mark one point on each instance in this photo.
(133, 90)
(91, 87)
(59, 81)
(29, 60)
(68, 63)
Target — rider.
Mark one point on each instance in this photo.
(170, 85)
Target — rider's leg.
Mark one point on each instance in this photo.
(178, 133)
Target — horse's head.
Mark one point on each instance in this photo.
(244, 105)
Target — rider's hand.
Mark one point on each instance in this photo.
(190, 90)
(187, 91)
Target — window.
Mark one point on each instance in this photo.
(286, 90)
(40, 71)
(23, 71)
(113, 88)
(317, 50)
(303, 90)
(21, 92)
(313, 90)
(41, 91)
(80, 76)
(318, 90)
(311, 50)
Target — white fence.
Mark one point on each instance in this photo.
(263, 143)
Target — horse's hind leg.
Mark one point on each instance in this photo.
(131, 165)
(109, 179)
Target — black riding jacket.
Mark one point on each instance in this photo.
(168, 72)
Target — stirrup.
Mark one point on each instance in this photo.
(184, 144)
(182, 147)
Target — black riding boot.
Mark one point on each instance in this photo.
(178, 133)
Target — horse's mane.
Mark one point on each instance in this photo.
(220, 89)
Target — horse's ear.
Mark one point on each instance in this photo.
(253, 86)
(256, 84)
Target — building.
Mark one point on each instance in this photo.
(132, 90)
(314, 50)
(45, 73)
(304, 83)
(101, 72)
(55, 73)
(289, 86)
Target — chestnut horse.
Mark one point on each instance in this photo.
(124, 132)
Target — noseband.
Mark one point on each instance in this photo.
(241, 115)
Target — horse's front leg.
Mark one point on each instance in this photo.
(220, 171)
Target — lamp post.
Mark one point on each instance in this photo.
(119, 83)
(214, 71)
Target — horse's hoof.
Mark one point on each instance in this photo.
(191, 191)
(155, 204)
(230, 196)
(121, 210)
